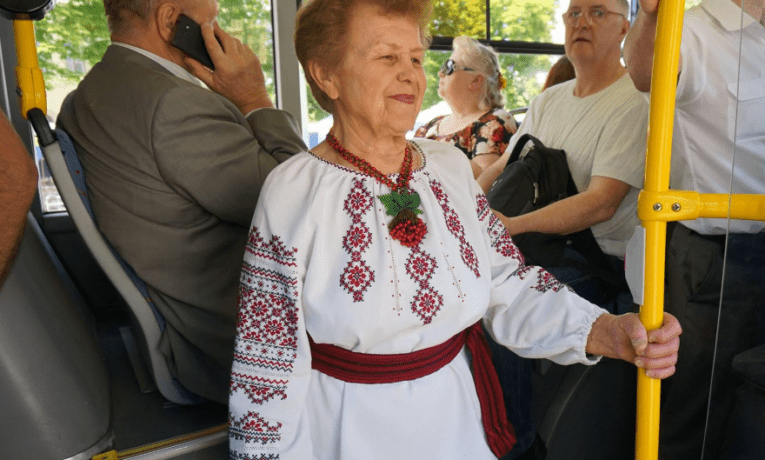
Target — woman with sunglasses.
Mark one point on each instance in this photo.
(472, 83)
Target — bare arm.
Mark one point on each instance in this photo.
(18, 182)
(596, 204)
(625, 337)
(639, 45)
(490, 173)
(481, 162)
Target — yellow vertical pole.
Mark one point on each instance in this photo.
(28, 74)
(663, 89)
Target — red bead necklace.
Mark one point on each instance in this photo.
(402, 203)
(368, 169)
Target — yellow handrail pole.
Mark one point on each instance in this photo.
(663, 89)
(28, 74)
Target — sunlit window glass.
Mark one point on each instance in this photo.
(74, 36)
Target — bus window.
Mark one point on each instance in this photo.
(73, 37)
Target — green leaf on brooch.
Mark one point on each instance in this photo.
(396, 201)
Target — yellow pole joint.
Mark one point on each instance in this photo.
(674, 205)
(28, 74)
(668, 206)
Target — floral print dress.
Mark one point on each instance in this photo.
(491, 133)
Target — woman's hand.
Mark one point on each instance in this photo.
(626, 338)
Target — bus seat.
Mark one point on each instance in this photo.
(69, 177)
(53, 381)
(516, 112)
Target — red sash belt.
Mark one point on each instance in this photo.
(353, 367)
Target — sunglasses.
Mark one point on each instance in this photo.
(449, 67)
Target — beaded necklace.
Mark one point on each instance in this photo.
(403, 203)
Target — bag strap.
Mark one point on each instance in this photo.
(519, 146)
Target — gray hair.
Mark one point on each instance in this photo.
(116, 11)
(484, 60)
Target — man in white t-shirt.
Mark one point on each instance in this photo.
(718, 146)
(600, 120)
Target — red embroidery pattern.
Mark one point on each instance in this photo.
(242, 456)
(268, 317)
(427, 302)
(251, 428)
(273, 250)
(357, 276)
(455, 227)
(500, 240)
(545, 281)
(259, 390)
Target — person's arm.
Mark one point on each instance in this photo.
(625, 337)
(595, 205)
(207, 153)
(18, 183)
(535, 316)
(490, 174)
(491, 140)
(238, 75)
(271, 369)
(639, 45)
(481, 162)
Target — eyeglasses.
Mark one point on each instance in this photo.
(594, 15)
(449, 67)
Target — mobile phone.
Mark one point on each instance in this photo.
(187, 37)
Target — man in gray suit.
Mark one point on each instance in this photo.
(174, 171)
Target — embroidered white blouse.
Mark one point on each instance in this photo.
(320, 261)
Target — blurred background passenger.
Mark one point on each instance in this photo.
(471, 82)
(562, 70)
(18, 182)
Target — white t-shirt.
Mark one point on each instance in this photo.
(603, 134)
(718, 144)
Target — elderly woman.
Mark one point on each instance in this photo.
(370, 265)
(471, 83)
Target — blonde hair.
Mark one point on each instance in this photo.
(484, 60)
(321, 32)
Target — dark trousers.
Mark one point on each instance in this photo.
(696, 271)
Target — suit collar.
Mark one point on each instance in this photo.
(143, 58)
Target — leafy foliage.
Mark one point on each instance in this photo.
(74, 31)
(519, 20)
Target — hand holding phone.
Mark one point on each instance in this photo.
(187, 37)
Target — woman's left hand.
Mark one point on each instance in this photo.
(626, 338)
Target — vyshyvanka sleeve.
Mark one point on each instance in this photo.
(531, 312)
(272, 362)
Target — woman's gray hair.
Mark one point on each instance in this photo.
(484, 60)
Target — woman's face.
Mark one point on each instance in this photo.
(456, 85)
(380, 84)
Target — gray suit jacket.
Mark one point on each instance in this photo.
(174, 172)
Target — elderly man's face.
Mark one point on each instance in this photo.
(381, 81)
(596, 32)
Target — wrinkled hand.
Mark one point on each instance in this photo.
(655, 351)
(238, 75)
(625, 337)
